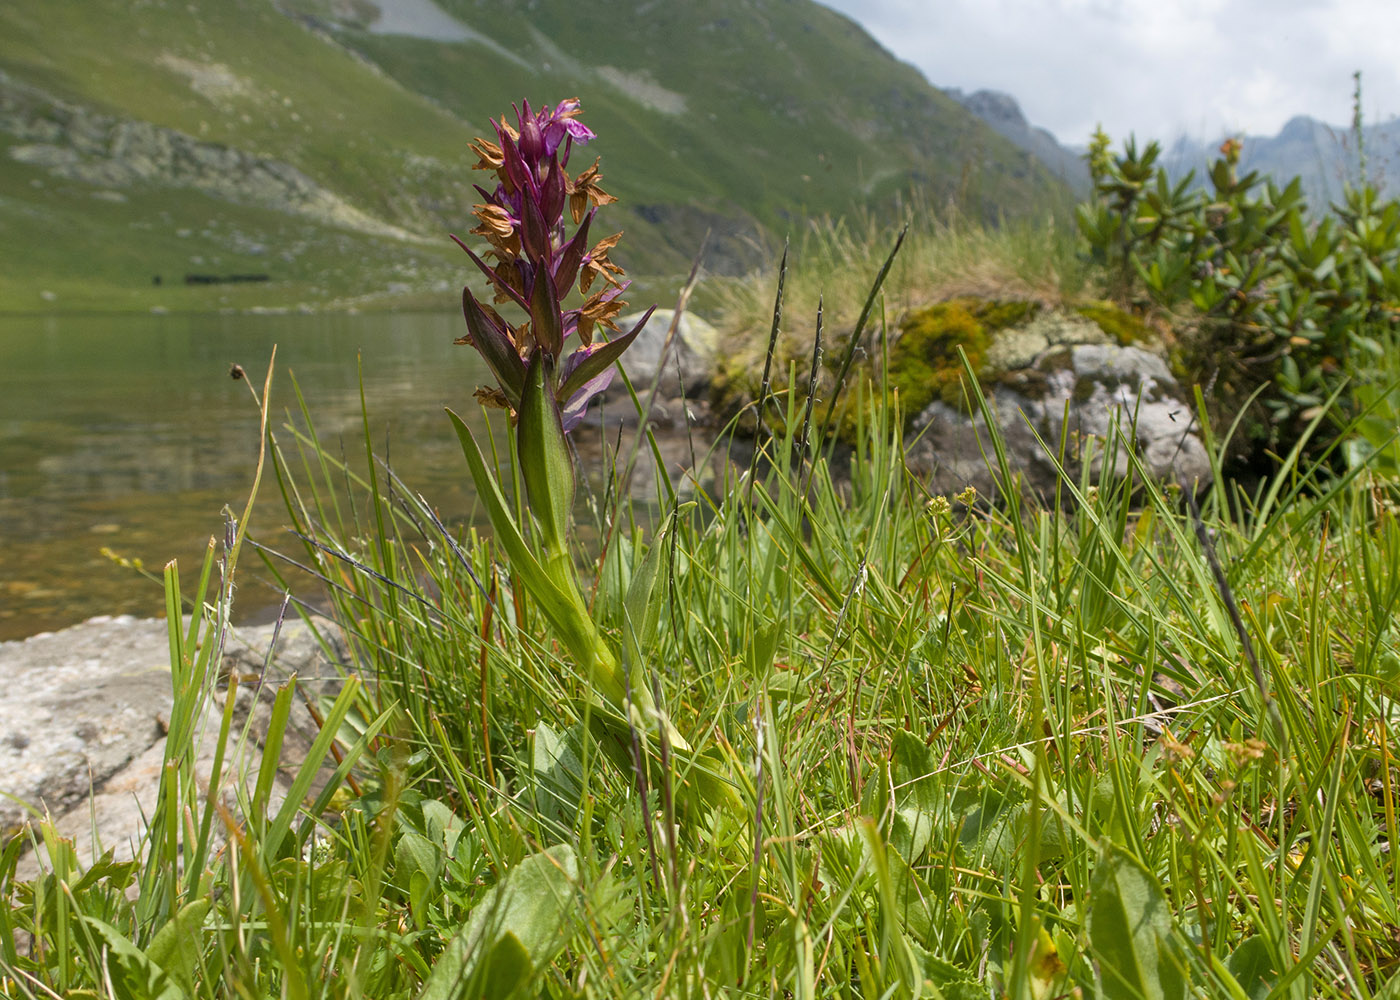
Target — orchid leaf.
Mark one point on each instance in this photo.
(565, 612)
(571, 257)
(544, 313)
(544, 455)
(534, 233)
(601, 359)
(516, 172)
(552, 194)
(495, 348)
(492, 276)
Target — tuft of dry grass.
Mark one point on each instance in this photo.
(944, 256)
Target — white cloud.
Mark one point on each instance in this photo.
(1153, 67)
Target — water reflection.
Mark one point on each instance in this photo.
(127, 432)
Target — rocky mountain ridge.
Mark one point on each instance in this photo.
(1324, 157)
(1003, 113)
(110, 153)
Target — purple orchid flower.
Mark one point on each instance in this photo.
(537, 263)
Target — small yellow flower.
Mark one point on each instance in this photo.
(967, 497)
(1176, 750)
(1244, 753)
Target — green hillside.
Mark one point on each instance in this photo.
(345, 150)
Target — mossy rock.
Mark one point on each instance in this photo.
(1121, 326)
(924, 361)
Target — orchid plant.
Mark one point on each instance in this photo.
(548, 366)
(537, 263)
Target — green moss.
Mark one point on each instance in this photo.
(924, 361)
(1123, 327)
(996, 316)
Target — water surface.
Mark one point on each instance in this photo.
(127, 433)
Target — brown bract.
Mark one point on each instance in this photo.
(498, 228)
(508, 274)
(597, 265)
(492, 398)
(585, 189)
(523, 338)
(489, 154)
(598, 311)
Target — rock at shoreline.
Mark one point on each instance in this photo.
(694, 346)
(78, 706)
(1060, 374)
(84, 715)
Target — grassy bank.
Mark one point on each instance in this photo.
(934, 748)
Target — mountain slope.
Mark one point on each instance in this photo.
(1005, 116)
(737, 116)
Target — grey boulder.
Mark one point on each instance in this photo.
(692, 354)
(84, 718)
(1103, 398)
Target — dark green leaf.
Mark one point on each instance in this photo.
(598, 362)
(1130, 930)
(178, 945)
(516, 929)
(1252, 967)
(544, 455)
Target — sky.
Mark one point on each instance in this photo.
(1155, 68)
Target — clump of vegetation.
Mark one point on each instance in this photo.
(1121, 325)
(944, 256)
(1266, 300)
(924, 363)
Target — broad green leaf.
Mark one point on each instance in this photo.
(178, 945)
(416, 853)
(133, 974)
(1252, 967)
(916, 795)
(569, 619)
(507, 966)
(1130, 930)
(516, 929)
(441, 824)
(545, 464)
(558, 773)
(495, 349)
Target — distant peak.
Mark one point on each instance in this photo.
(991, 106)
(1299, 127)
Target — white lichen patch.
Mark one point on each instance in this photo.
(1020, 346)
(642, 88)
(1060, 328)
(1015, 347)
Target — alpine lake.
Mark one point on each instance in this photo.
(124, 437)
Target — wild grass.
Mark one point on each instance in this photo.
(935, 748)
(944, 255)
